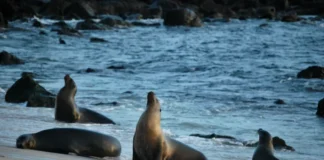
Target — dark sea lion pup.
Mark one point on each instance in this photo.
(70, 140)
(264, 151)
(67, 111)
(149, 143)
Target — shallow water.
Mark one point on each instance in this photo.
(222, 78)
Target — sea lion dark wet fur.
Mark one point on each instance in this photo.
(71, 140)
(264, 150)
(67, 111)
(149, 142)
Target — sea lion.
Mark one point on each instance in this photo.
(149, 143)
(71, 140)
(67, 111)
(264, 150)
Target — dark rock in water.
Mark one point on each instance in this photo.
(213, 135)
(279, 101)
(61, 24)
(143, 24)
(116, 67)
(128, 92)
(37, 23)
(42, 33)
(23, 89)
(291, 17)
(89, 24)
(209, 7)
(9, 59)
(279, 144)
(110, 104)
(152, 12)
(263, 25)
(69, 32)
(79, 10)
(113, 21)
(312, 72)
(266, 12)
(3, 21)
(281, 4)
(30, 74)
(90, 70)
(62, 41)
(182, 17)
(320, 108)
(95, 39)
(8, 9)
(41, 101)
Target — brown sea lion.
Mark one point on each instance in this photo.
(71, 140)
(149, 142)
(264, 150)
(67, 111)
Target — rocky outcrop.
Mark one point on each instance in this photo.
(37, 23)
(97, 40)
(79, 10)
(266, 12)
(320, 108)
(89, 24)
(182, 17)
(41, 101)
(290, 17)
(3, 21)
(312, 72)
(9, 59)
(23, 89)
(113, 21)
(64, 29)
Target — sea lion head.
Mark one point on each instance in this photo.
(26, 141)
(264, 137)
(152, 102)
(70, 84)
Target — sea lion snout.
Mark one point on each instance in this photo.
(25, 141)
(67, 77)
(151, 98)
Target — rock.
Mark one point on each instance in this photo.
(209, 7)
(184, 17)
(266, 12)
(115, 7)
(41, 101)
(61, 41)
(280, 144)
(166, 5)
(3, 21)
(37, 23)
(90, 70)
(79, 10)
(116, 67)
(30, 74)
(9, 59)
(69, 32)
(95, 39)
(144, 24)
(320, 108)
(42, 32)
(213, 135)
(279, 101)
(152, 12)
(23, 89)
(291, 17)
(8, 9)
(281, 4)
(113, 21)
(312, 72)
(89, 24)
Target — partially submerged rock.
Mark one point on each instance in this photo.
(182, 17)
(23, 89)
(9, 59)
(312, 72)
(89, 24)
(95, 39)
(113, 21)
(37, 100)
(320, 108)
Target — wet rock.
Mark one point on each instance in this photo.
(61, 41)
(281, 4)
(263, 25)
(3, 21)
(182, 17)
(9, 59)
(209, 7)
(166, 5)
(213, 135)
(113, 21)
(41, 101)
(37, 23)
(79, 10)
(152, 12)
(290, 17)
(144, 24)
(116, 67)
(266, 12)
(95, 39)
(312, 72)
(42, 33)
(320, 108)
(30, 74)
(90, 70)
(89, 24)
(119, 7)
(8, 9)
(279, 101)
(64, 29)
(23, 89)
(109, 103)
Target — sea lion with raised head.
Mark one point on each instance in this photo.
(67, 111)
(149, 142)
(71, 140)
(264, 150)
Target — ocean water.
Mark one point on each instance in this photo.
(221, 78)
